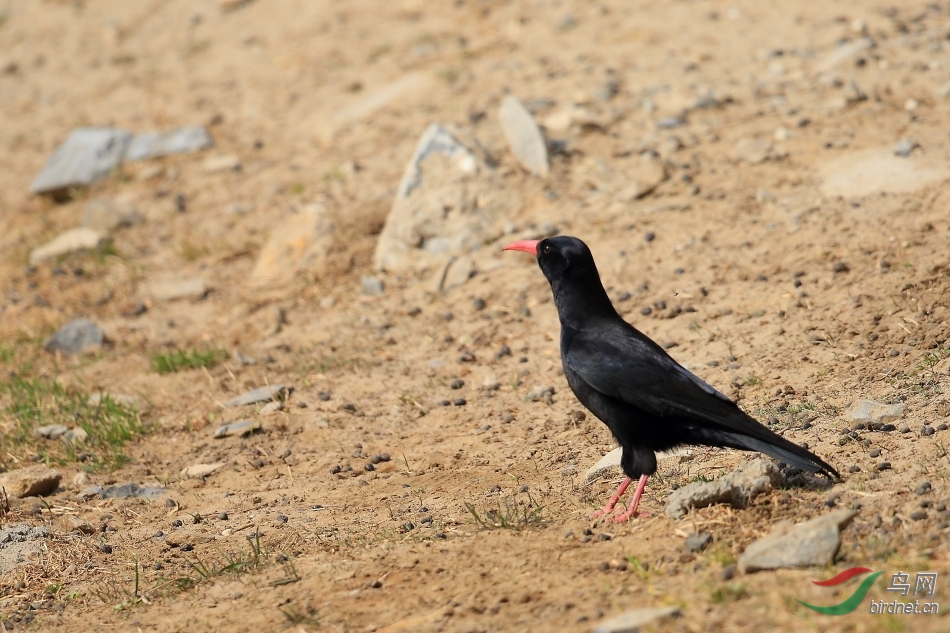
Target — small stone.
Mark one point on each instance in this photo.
(927, 431)
(478, 303)
(875, 452)
(883, 466)
(186, 547)
(918, 515)
(105, 549)
(646, 311)
(697, 542)
(75, 337)
(368, 467)
(384, 457)
(222, 516)
(459, 402)
(261, 394)
(457, 384)
(904, 147)
(839, 267)
(635, 620)
(371, 286)
(50, 431)
(240, 428)
(923, 488)
(854, 469)
(523, 136)
(941, 427)
(199, 471)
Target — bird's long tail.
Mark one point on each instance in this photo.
(775, 446)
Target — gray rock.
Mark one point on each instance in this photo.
(22, 533)
(737, 488)
(540, 392)
(75, 337)
(631, 621)
(105, 215)
(155, 144)
(194, 288)
(50, 431)
(371, 286)
(76, 435)
(261, 394)
(301, 241)
(871, 412)
(523, 136)
(240, 428)
(448, 203)
(129, 491)
(87, 155)
(812, 543)
(69, 242)
(697, 542)
(904, 147)
(31, 481)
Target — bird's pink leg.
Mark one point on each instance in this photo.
(614, 498)
(632, 508)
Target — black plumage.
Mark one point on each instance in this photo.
(648, 401)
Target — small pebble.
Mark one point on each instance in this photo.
(883, 466)
(918, 515)
(282, 518)
(384, 457)
(105, 549)
(894, 353)
(186, 547)
(368, 467)
(941, 427)
(927, 431)
(646, 311)
(444, 403)
(478, 303)
(222, 516)
(603, 536)
(923, 488)
(336, 469)
(375, 459)
(177, 523)
(887, 428)
(839, 267)
(728, 572)
(649, 236)
(457, 384)
(854, 469)
(158, 534)
(459, 402)
(875, 452)
(324, 396)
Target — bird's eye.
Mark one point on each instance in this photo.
(546, 249)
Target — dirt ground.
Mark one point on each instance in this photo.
(784, 277)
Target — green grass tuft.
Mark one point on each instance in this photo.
(186, 359)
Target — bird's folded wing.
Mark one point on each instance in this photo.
(636, 371)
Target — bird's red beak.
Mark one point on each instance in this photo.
(527, 246)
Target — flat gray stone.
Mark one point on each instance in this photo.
(75, 337)
(870, 412)
(631, 621)
(809, 544)
(240, 428)
(737, 488)
(31, 481)
(261, 394)
(105, 215)
(371, 286)
(71, 241)
(155, 144)
(523, 136)
(50, 431)
(87, 155)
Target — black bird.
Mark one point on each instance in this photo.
(647, 400)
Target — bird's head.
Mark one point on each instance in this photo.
(569, 267)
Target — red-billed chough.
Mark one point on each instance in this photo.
(647, 400)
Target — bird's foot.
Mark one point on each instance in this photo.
(605, 512)
(626, 516)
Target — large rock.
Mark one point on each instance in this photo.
(523, 136)
(737, 488)
(87, 155)
(448, 203)
(72, 240)
(812, 543)
(75, 337)
(105, 215)
(300, 242)
(155, 144)
(31, 481)
(873, 171)
(873, 412)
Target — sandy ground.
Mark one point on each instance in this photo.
(809, 265)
